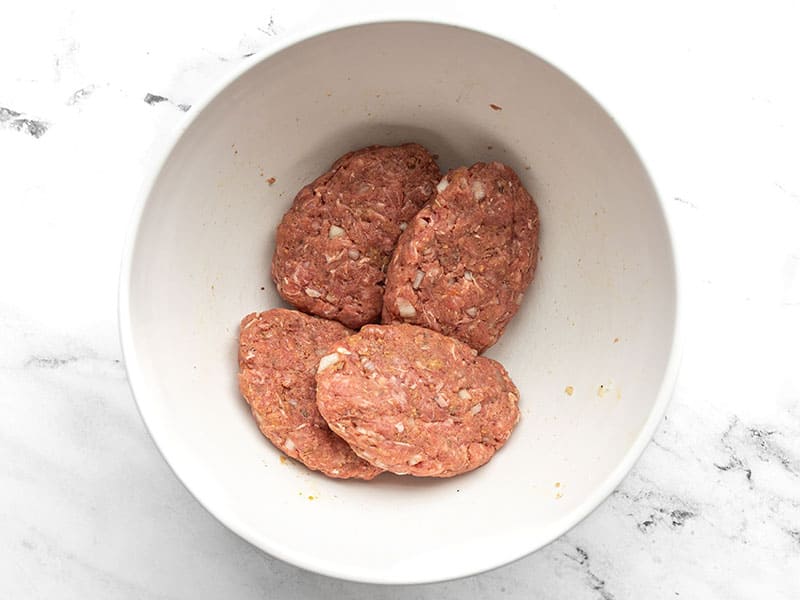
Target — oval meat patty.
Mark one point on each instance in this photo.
(335, 242)
(279, 351)
(413, 401)
(464, 261)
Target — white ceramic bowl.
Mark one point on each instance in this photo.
(599, 320)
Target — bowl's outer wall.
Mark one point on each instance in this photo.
(599, 319)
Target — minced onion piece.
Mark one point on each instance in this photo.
(464, 394)
(441, 401)
(289, 444)
(313, 293)
(475, 409)
(335, 232)
(403, 226)
(469, 276)
(399, 427)
(326, 361)
(405, 308)
(478, 191)
(442, 185)
(471, 311)
(354, 254)
(417, 279)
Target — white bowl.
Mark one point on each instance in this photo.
(600, 318)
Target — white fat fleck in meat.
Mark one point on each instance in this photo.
(416, 459)
(250, 354)
(471, 311)
(399, 427)
(519, 299)
(326, 361)
(403, 226)
(335, 232)
(367, 364)
(354, 254)
(465, 395)
(342, 350)
(442, 185)
(311, 292)
(469, 276)
(405, 308)
(475, 409)
(441, 401)
(478, 191)
(250, 322)
(289, 444)
(418, 277)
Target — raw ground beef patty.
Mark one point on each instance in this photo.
(411, 400)
(278, 355)
(335, 242)
(464, 261)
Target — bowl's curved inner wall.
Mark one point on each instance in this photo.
(599, 317)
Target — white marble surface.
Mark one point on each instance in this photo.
(88, 508)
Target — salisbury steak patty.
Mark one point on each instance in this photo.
(278, 355)
(335, 242)
(464, 261)
(411, 400)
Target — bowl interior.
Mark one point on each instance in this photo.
(588, 349)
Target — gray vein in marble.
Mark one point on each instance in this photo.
(19, 122)
(581, 558)
(80, 95)
(50, 362)
(664, 509)
(152, 99)
(269, 29)
(794, 534)
(789, 193)
(684, 201)
(765, 444)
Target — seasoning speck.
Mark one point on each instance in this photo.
(283, 460)
(495, 107)
(616, 340)
(311, 498)
(568, 390)
(271, 180)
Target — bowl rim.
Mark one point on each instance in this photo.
(138, 385)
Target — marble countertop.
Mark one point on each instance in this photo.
(89, 92)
